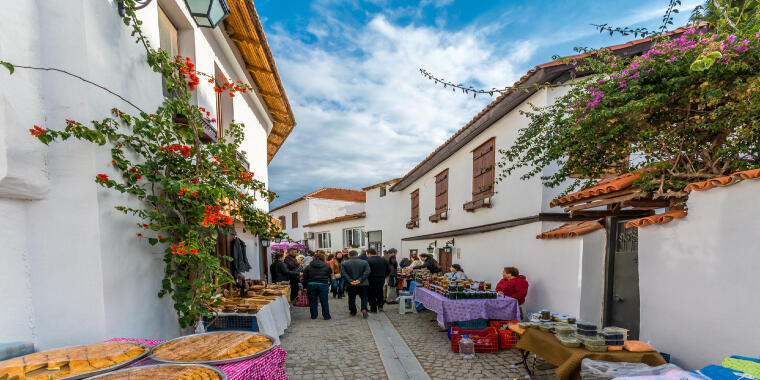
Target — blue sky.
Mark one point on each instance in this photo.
(364, 112)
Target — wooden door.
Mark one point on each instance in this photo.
(264, 262)
(444, 258)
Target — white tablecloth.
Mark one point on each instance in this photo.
(274, 318)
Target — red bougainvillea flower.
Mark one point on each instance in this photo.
(36, 131)
(103, 177)
(160, 237)
(182, 191)
(113, 162)
(194, 180)
(138, 176)
(194, 251)
(139, 234)
(179, 249)
(133, 170)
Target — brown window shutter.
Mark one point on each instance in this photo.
(295, 219)
(282, 221)
(416, 204)
(442, 191)
(483, 159)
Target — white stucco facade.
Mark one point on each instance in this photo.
(563, 275)
(336, 231)
(700, 272)
(312, 210)
(73, 270)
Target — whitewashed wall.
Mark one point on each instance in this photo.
(557, 270)
(387, 215)
(302, 208)
(73, 270)
(336, 234)
(312, 210)
(698, 278)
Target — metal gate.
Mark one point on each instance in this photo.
(622, 288)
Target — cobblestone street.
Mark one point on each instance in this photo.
(344, 348)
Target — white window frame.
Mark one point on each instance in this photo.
(348, 239)
(320, 237)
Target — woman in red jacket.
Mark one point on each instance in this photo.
(513, 284)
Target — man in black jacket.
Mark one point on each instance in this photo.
(280, 271)
(356, 272)
(316, 280)
(379, 270)
(390, 289)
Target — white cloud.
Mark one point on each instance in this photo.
(364, 112)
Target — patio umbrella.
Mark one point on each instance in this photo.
(286, 245)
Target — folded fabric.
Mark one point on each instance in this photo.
(637, 346)
(744, 364)
(716, 372)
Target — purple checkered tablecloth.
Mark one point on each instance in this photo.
(448, 310)
(269, 366)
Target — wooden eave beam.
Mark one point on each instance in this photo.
(242, 39)
(646, 203)
(601, 196)
(257, 69)
(603, 202)
(603, 213)
(269, 94)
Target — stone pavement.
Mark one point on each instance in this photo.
(345, 348)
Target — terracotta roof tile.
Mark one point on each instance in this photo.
(604, 186)
(723, 181)
(338, 219)
(520, 82)
(573, 229)
(657, 219)
(347, 195)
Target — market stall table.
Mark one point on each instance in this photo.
(269, 366)
(448, 310)
(568, 360)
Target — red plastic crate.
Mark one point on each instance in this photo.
(487, 341)
(499, 324)
(508, 339)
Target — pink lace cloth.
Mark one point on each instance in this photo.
(269, 366)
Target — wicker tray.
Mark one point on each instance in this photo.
(213, 362)
(219, 372)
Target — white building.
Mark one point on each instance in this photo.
(329, 219)
(73, 271)
(665, 283)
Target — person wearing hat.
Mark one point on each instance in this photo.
(389, 291)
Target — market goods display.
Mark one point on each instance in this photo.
(572, 333)
(166, 371)
(72, 362)
(212, 348)
(256, 298)
(455, 290)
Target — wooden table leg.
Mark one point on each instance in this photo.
(524, 362)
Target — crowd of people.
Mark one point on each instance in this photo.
(369, 276)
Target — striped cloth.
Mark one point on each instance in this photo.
(269, 366)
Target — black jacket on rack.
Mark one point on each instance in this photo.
(239, 259)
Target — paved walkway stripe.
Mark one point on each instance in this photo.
(398, 360)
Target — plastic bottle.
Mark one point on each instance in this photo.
(466, 347)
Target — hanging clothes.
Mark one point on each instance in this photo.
(239, 258)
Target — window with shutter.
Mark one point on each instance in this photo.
(441, 196)
(415, 219)
(282, 221)
(294, 221)
(483, 160)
